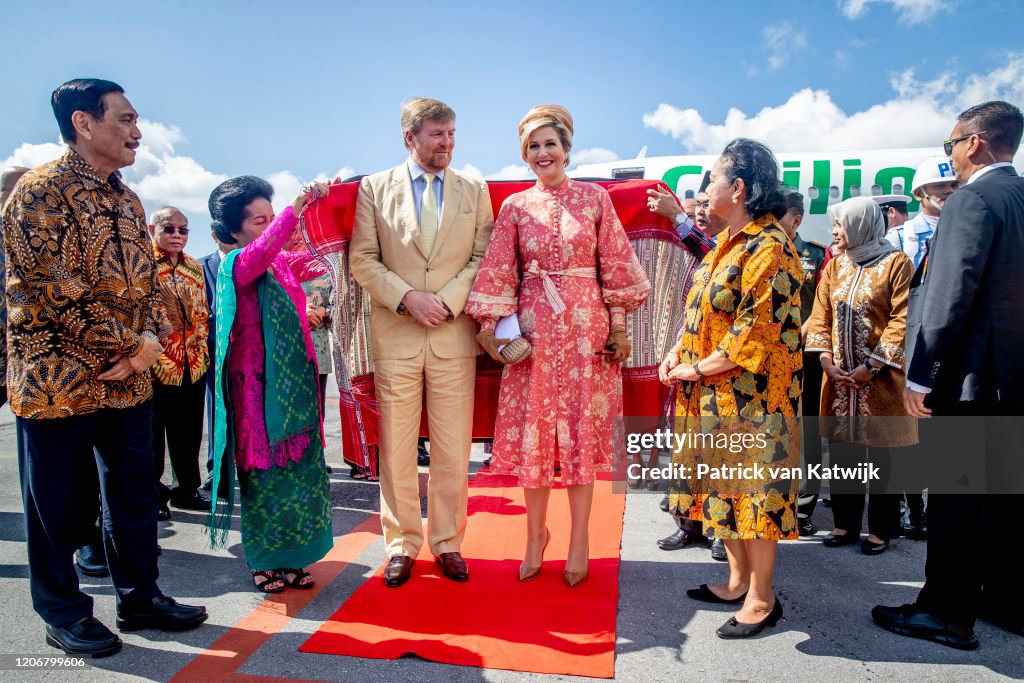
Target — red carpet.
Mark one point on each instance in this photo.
(494, 621)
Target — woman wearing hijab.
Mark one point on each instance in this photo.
(267, 415)
(559, 259)
(857, 326)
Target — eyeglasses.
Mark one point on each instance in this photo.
(948, 145)
(170, 230)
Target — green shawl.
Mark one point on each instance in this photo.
(290, 389)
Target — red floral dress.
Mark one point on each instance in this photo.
(553, 247)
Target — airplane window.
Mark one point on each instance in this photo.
(854, 190)
(688, 194)
(833, 192)
(897, 188)
(812, 192)
(876, 190)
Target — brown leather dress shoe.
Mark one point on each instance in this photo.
(398, 571)
(453, 566)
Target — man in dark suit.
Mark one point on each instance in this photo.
(211, 264)
(966, 362)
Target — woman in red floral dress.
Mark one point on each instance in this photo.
(559, 259)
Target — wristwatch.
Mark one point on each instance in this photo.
(680, 218)
(872, 369)
(401, 310)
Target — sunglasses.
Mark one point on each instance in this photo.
(948, 145)
(171, 230)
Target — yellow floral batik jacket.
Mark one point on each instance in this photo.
(81, 288)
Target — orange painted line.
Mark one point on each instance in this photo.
(223, 658)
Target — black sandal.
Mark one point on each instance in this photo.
(270, 576)
(296, 581)
(356, 473)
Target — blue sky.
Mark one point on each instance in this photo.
(290, 90)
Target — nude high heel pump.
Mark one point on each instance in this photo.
(528, 573)
(573, 579)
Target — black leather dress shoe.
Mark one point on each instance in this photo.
(398, 571)
(85, 638)
(804, 526)
(680, 539)
(910, 620)
(837, 541)
(664, 503)
(453, 566)
(915, 533)
(91, 560)
(733, 629)
(422, 456)
(192, 500)
(163, 513)
(869, 548)
(718, 551)
(161, 612)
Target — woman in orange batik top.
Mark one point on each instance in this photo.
(560, 259)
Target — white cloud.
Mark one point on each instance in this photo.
(593, 155)
(908, 11)
(30, 155)
(512, 172)
(921, 114)
(781, 41)
(472, 171)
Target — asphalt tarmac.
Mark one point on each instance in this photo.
(826, 635)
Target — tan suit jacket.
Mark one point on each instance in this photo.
(387, 259)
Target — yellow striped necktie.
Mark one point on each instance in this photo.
(428, 214)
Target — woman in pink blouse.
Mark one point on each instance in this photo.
(267, 416)
(559, 259)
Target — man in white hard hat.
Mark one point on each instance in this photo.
(934, 181)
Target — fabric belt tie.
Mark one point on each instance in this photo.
(534, 272)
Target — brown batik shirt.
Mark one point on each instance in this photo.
(81, 287)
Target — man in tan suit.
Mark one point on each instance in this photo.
(420, 233)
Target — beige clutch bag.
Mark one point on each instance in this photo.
(516, 350)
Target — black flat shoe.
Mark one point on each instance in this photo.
(85, 638)
(705, 594)
(836, 541)
(733, 629)
(161, 612)
(911, 621)
(869, 548)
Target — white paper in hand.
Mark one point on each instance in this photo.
(507, 328)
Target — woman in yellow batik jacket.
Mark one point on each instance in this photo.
(739, 363)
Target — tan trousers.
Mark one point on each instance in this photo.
(449, 385)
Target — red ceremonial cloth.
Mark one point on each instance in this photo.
(328, 223)
(493, 621)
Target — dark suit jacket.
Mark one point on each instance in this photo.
(970, 311)
(211, 264)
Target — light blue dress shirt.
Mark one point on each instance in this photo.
(419, 185)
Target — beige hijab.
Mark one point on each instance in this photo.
(865, 229)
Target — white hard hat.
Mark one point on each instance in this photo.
(933, 170)
(883, 199)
